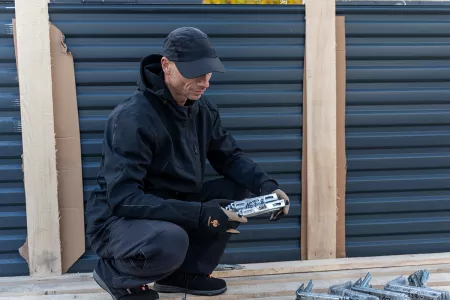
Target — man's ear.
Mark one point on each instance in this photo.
(165, 63)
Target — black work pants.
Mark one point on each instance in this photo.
(139, 251)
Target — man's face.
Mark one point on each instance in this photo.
(192, 88)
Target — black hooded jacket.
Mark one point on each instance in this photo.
(154, 151)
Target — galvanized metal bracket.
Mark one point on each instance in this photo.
(227, 267)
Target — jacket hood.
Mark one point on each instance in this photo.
(152, 79)
(151, 75)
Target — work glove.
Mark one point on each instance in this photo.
(217, 219)
(276, 215)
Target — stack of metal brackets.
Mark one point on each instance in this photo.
(413, 288)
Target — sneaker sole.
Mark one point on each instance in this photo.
(173, 289)
(103, 285)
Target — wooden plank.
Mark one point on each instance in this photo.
(301, 277)
(38, 136)
(269, 286)
(105, 296)
(341, 170)
(309, 267)
(87, 285)
(96, 296)
(320, 51)
(78, 281)
(324, 265)
(304, 202)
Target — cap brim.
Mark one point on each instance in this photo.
(196, 68)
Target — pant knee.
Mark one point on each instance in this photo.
(174, 243)
(167, 251)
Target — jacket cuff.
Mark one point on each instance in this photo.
(268, 187)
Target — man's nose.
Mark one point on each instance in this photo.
(204, 83)
(203, 80)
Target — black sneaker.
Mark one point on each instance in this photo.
(137, 293)
(198, 284)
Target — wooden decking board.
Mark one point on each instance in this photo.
(83, 283)
(107, 297)
(271, 282)
(292, 282)
(28, 279)
(265, 286)
(87, 277)
(288, 267)
(328, 275)
(338, 264)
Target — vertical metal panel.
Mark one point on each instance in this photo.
(260, 96)
(12, 197)
(398, 129)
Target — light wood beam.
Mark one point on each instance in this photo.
(38, 136)
(321, 185)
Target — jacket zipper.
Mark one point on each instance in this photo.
(191, 144)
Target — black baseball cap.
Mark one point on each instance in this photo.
(192, 52)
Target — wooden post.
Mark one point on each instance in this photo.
(321, 185)
(38, 136)
(341, 167)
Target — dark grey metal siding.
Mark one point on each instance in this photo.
(12, 197)
(398, 129)
(260, 96)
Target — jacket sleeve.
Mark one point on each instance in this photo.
(228, 159)
(127, 155)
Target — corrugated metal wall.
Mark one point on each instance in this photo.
(398, 100)
(398, 129)
(12, 197)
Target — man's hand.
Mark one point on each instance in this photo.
(233, 217)
(218, 219)
(276, 215)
